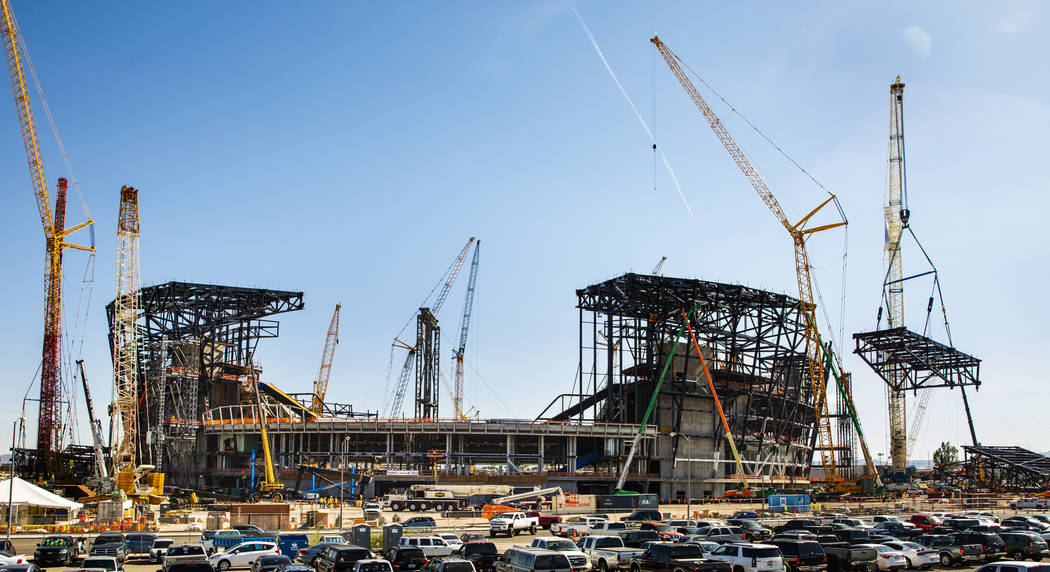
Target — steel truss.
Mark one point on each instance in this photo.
(428, 367)
(920, 362)
(753, 342)
(1005, 469)
(191, 338)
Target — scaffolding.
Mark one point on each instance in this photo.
(754, 345)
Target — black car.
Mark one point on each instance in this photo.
(110, 544)
(56, 549)
(991, 544)
(340, 558)
(295, 568)
(802, 555)
(408, 558)
(635, 538)
(1024, 544)
(753, 530)
(664, 557)
(270, 563)
(309, 554)
(483, 554)
(450, 563)
(419, 521)
(643, 515)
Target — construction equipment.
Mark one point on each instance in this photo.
(321, 383)
(551, 491)
(49, 427)
(101, 470)
(410, 359)
(464, 325)
(441, 497)
(659, 266)
(799, 234)
(125, 335)
(268, 487)
(896, 219)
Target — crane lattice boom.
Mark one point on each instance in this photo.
(125, 336)
(798, 234)
(464, 326)
(896, 219)
(321, 383)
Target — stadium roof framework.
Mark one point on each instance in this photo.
(921, 362)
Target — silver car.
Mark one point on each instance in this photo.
(720, 534)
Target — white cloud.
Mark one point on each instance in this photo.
(918, 40)
(1012, 23)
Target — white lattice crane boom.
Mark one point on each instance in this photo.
(464, 326)
(125, 336)
(321, 383)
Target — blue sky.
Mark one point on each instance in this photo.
(348, 150)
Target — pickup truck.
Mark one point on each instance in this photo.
(579, 525)
(608, 552)
(59, 549)
(950, 551)
(545, 520)
(576, 557)
(512, 524)
(607, 527)
(844, 557)
(676, 558)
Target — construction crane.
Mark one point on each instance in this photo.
(269, 487)
(798, 232)
(659, 266)
(321, 383)
(410, 359)
(49, 425)
(464, 325)
(125, 334)
(101, 470)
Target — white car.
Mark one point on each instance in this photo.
(889, 559)
(13, 559)
(372, 565)
(242, 555)
(159, 548)
(430, 545)
(452, 540)
(917, 555)
(107, 563)
(747, 557)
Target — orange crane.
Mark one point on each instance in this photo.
(49, 428)
(321, 383)
(798, 232)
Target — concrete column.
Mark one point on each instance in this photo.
(448, 452)
(510, 453)
(539, 460)
(389, 450)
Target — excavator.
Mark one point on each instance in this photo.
(269, 487)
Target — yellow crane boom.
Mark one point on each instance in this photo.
(321, 383)
(814, 359)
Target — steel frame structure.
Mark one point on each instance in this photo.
(428, 367)
(1006, 468)
(757, 346)
(919, 362)
(222, 326)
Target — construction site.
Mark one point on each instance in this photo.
(686, 389)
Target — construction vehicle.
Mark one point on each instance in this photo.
(49, 425)
(269, 487)
(464, 325)
(321, 383)
(799, 234)
(102, 481)
(443, 497)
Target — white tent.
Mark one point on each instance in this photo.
(26, 493)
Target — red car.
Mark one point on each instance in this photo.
(666, 531)
(925, 521)
(544, 520)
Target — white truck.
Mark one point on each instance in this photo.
(608, 552)
(440, 497)
(577, 526)
(513, 524)
(580, 562)
(607, 527)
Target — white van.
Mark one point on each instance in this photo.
(430, 545)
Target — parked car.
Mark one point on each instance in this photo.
(341, 557)
(846, 557)
(295, 568)
(741, 514)
(139, 543)
(666, 557)
(372, 565)
(796, 534)
(705, 545)
(897, 529)
(447, 564)
(451, 539)
(664, 531)
(58, 549)
(1022, 545)
(917, 555)
(484, 554)
(802, 555)
(721, 533)
(191, 566)
(643, 515)
(242, 555)
(1011, 566)
(950, 551)
(754, 531)
(405, 558)
(608, 552)
(183, 553)
(158, 548)
(798, 524)
(430, 545)
(545, 520)
(109, 544)
(7, 558)
(533, 560)
(992, 545)
(682, 523)
(419, 521)
(889, 560)
(747, 557)
(310, 553)
(578, 560)
(270, 562)
(249, 529)
(107, 563)
(636, 538)
(1029, 503)
(925, 522)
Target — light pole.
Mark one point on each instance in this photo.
(11, 485)
(342, 465)
(689, 475)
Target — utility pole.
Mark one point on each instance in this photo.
(11, 484)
